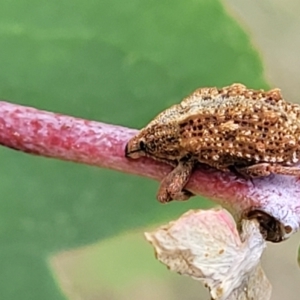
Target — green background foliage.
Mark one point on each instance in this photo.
(109, 60)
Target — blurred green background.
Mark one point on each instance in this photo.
(120, 62)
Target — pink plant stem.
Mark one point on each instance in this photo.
(98, 144)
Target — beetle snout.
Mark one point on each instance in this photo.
(127, 153)
(134, 149)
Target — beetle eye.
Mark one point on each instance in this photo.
(142, 146)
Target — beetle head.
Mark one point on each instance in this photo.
(136, 147)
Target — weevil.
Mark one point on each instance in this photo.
(252, 132)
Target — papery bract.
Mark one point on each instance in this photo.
(205, 245)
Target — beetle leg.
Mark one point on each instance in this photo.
(171, 187)
(265, 169)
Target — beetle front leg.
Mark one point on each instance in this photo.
(171, 187)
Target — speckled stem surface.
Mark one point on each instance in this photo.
(94, 143)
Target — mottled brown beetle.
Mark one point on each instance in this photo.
(253, 132)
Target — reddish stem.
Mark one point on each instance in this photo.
(68, 138)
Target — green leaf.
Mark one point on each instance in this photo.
(115, 61)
